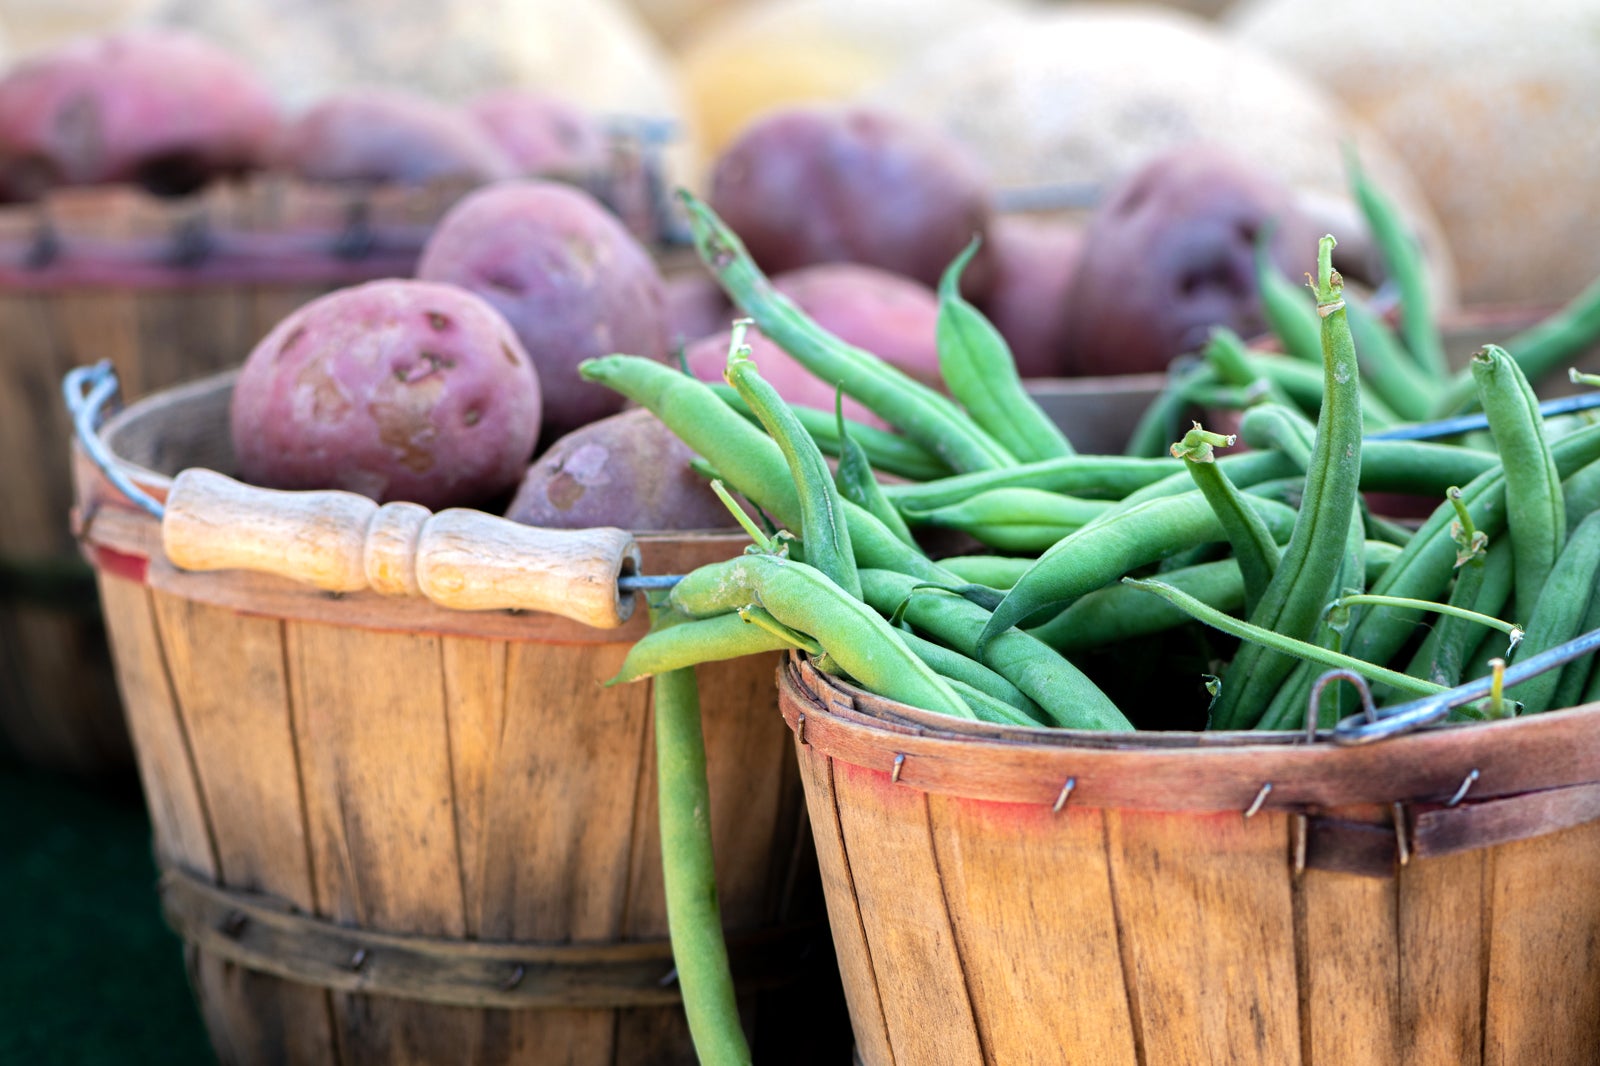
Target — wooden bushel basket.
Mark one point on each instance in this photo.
(393, 832)
(167, 290)
(1048, 896)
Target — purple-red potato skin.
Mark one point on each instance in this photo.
(696, 307)
(806, 185)
(382, 135)
(161, 108)
(397, 390)
(1035, 260)
(573, 283)
(1169, 255)
(893, 317)
(627, 471)
(542, 134)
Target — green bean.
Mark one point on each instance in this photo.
(1066, 696)
(1300, 382)
(1575, 675)
(823, 529)
(995, 571)
(978, 369)
(1094, 477)
(685, 643)
(1282, 429)
(985, 708)
(1580, 493)
(746, 456)
(1019, 520)
(1393, 377)
(954, 666)
(1292, 317)
(1451, 610)
(1246, 470)
(1227, 355)
(1292, 603)
(1560, 609)
(1117, 543)
(1535, 511)
(803, 598)
(926, 416)
(1252, 543)
(1117, 612)
(888, 452)
(858, 484)
(1290, 647)
(1540, 350)
(1479, 586)
(694, 920)
(1424, 566)
(1402, 255)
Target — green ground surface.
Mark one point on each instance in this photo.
(89, 973)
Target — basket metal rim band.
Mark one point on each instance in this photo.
(1528, 757)
(265, 935)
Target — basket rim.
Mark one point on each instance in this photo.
(1184, 772)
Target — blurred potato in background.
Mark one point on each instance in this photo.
(1494, 108)
(1084, 94)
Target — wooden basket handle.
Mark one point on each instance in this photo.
(342, 542)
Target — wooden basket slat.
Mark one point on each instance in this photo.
(1348, 945)
(888, 842)
(862, 997)
(1070, 1002)
(1439, 912)
(1542, 996)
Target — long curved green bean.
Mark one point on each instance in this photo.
(1535, 510)
(954, 666)
(1066, 696)
(888, 452)
(1117, 612)
(1253, 546)
(1562, 605)
(694, 920)
(1292, 603)
(823, 529)
(1392, 377)
(1402, 255)
(995, 571)
(1090, 477)
(1290, 647)
(1014, 519)
(1289, 312)
(1114, 545)
(858, 483)
(686, 643)
(978, 369)
(926, 416)
(803, 598)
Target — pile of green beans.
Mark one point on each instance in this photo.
(1265, 567)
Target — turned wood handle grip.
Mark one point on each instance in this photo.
(343, 542)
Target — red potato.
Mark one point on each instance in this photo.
(398, 390)
(1035, 260)
(893, 317)
(696, 307)
(806, 185)
(573, 283)
(628, 471)
(383, 135)
(1169, 255)
(544, 135)
(163, 109)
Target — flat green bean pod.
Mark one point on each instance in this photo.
(1535, 509)
(979, 371)
(801, 597)
(1066, 696)
(1113, 546)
